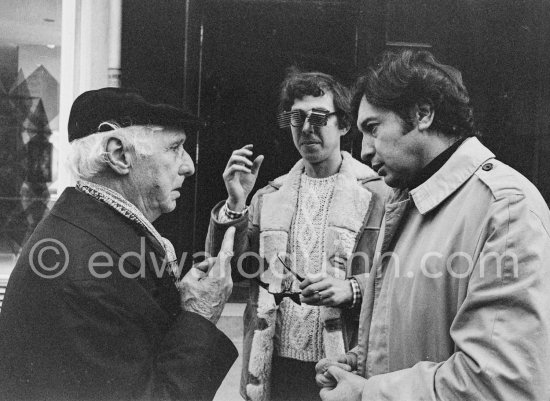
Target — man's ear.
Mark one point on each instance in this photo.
(424, 116)
(344, 130)
(117, 156)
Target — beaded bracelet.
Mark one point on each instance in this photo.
(233, 215)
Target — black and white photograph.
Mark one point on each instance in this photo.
(275, 200)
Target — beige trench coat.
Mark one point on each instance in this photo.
(458, 307)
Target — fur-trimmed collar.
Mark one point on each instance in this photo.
(350, 166)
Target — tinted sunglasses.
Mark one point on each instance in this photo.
(287, 291)
(297, 118)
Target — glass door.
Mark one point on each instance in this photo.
(30, 54)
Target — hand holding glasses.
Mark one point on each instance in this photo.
(287, 291)
(297, 118)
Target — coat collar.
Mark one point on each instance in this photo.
(280, 206)
(102, 222)
(350, 167)
(458, 169)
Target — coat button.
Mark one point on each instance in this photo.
(487, 166)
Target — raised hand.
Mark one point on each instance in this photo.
(240, 176)
(207, 286)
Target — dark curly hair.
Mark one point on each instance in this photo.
(409, 78)
(298, 84)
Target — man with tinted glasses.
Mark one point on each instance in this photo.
(301, 231)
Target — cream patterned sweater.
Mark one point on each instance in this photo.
(299, 329)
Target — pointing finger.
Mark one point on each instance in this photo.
(205, 265)
(222, 268)
(227, 244)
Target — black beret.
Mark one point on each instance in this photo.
(123, 107)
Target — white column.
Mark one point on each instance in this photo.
(115, 33)
(90, 48)
(94, 44)
(67, 85)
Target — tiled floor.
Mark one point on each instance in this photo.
(231, 323)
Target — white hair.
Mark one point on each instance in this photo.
(88, 156)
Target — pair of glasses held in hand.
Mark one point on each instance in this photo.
(297, 118)
(287, 292)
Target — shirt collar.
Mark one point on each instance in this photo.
(459, 167)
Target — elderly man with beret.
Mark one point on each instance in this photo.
(94, 308)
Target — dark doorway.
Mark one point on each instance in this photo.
(234, 70)
(248, 48)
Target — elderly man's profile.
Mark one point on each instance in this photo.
(94, 308)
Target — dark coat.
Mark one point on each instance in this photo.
(80, 336)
